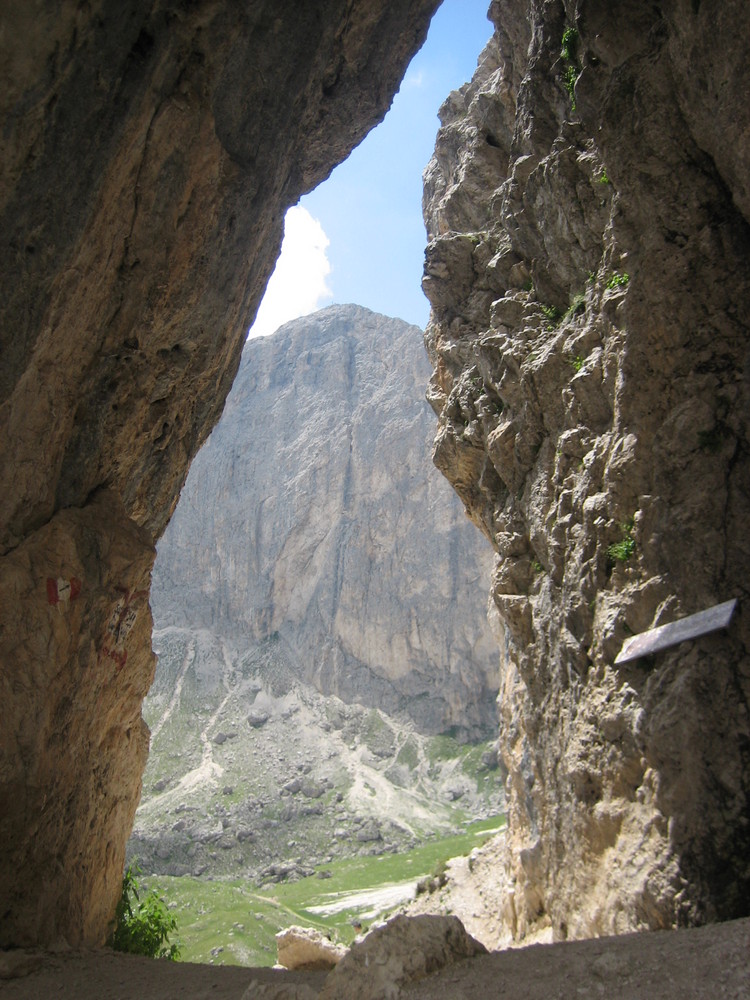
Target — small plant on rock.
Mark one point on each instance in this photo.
(618, 280)
(569, 54)
(577, 305)
(553, 315)
(622, 551)
(143, 925)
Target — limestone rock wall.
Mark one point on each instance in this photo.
(313, 513)
(587, 210)
(149, 151)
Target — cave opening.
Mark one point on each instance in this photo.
(345, 718)
(590, 382)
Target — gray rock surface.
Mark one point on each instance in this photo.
(587, 269)
(313, 515)
(401, 951)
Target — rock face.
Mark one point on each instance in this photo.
(312, 515)
(149, 153)
(587, 209)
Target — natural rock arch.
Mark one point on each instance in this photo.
(150, 150)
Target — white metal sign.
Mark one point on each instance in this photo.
(656, 639)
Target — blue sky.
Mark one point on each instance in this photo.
(359, 236)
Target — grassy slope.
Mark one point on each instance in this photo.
(243, 920)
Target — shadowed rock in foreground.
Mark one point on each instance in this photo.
(150, 151)
(694, 964)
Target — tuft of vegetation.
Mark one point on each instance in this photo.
(143, 924)
(553, 315)
(570, 45)
(618, 280)
(431, 883)
(577, 362)
(569, 54)
(377, 735)
(408, 755)
(603, 178)
(622, 551)
(577, 305)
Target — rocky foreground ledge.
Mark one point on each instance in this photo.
(696, 963)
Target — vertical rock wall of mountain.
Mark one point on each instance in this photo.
(587, 209)
(313, 513)
(149, 151)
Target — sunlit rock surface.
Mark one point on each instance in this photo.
(587, 209)
(313, 515)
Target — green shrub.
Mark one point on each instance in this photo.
(577, 305)
(569, 54)
(577, 362)
(622, 551)
(553, 315)
(569, 50)
(618, 280)
(143, 925)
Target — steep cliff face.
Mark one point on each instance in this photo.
(587, 209)
(149, 152)
(311, 513)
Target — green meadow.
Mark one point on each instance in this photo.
(235, 922)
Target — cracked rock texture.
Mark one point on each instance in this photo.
(312, 515)
(149, 151)
(587, 269)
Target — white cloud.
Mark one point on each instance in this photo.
(298, 286)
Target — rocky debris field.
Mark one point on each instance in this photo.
(254, 774)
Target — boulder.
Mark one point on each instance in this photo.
(257, 717)
(396, 953)
(306, 948)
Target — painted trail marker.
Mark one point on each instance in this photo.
(656, 639)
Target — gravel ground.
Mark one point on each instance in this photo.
(709, 963)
